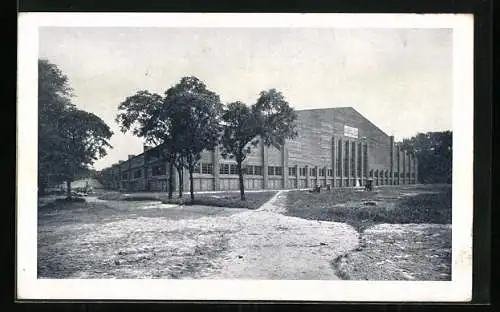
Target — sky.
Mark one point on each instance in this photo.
(400, 79)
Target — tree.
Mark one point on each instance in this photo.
(148, 116)
(70, 140)
(85, 139)
(197, 113)
(54, 95)
(184, 122)
(434, 152)
(271, 119)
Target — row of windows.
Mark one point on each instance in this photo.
(352, 158)
(204, 168)
(253, 170)
(207, 168)
(274, 171)
(322, 172)
(386, 173)
(136, 175)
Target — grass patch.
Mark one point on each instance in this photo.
(400, 252)
(131, 197)
(394, 205)
(74, 199)
(223, 199)
(230, 200)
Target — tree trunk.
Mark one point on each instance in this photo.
(242, 184)
(181, 181)
(191, 184)
(170, 180)
(68, 189)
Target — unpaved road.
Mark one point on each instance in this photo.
(270, 245)
(151, 240)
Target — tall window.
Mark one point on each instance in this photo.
(278, 171)
(302, 172)
(137, 174)
(233, 169)
(248, 170)
(274, 171)
(270, 170)
(365, 159)
(353, 159)
(312, 172)
(346, 158)
(339, 157)
(257, 170)
(359, 159)
(125, 176)
(292, 171)
(207, 168)
(322, 172)
(224, 169)
(330, 172)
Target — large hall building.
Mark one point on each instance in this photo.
(336, 146)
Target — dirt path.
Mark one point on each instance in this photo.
(154, 240)
(270, 245)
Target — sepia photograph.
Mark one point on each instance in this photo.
(239, 148)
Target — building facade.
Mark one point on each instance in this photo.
(335, 146)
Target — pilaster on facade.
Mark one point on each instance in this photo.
(297, 173)
(404, 166)
(145, 170)
(391, 162)
(416, 170)
(398, 166)
(216, 168)
(284, 163)
(341, 157)
(355, 155)
(410, 163)
(362, 155)
(308, 183)
(349, 163)
(265, 172)
(334, 160)
(129, 175)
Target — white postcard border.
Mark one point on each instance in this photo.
(459, 289)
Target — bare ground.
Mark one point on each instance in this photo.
(404, 232)
(95, 241)
(270, 245)
(294, 236)
(400, 252)
(149, 239)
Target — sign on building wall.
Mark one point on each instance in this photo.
(350, 132)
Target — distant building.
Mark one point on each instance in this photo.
(336, 146)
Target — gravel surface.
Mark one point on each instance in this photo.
(273, 246)
(147, 239)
